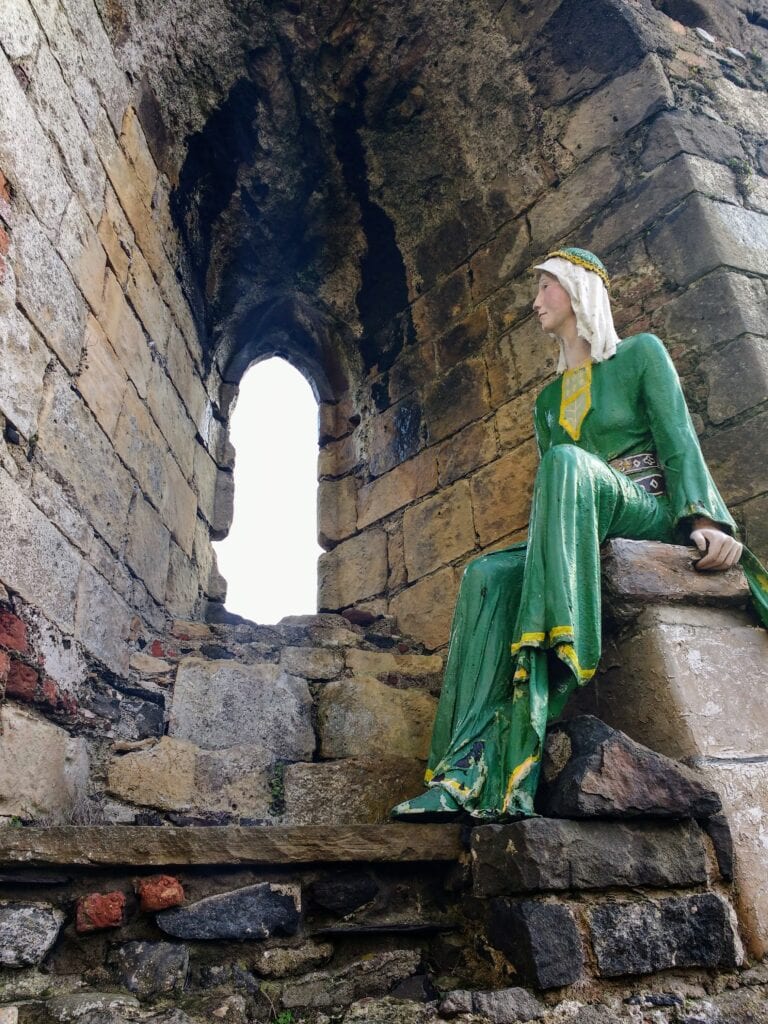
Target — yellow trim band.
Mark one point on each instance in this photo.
(579, 261)
(520, 773)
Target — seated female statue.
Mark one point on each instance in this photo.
(619, 458)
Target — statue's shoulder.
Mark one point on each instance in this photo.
(639, 348)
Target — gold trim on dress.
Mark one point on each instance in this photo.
(575, 399)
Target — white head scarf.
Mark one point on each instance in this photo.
(589, 298)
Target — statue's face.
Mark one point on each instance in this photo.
(553, 306)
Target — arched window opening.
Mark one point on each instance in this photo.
(269, 557)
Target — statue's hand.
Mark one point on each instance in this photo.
(721, 551)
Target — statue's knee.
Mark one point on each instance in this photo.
(564, 458)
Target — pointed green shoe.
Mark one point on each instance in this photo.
(433, 806)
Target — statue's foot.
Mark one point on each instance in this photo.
(433, 806)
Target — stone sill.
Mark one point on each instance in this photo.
(274, 846)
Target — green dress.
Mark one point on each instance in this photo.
(526, 630)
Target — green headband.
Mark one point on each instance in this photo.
(582, 258)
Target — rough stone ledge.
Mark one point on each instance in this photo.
(645, 572)
(302, 844)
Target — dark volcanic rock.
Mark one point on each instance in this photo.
(719, 832)
(640, 937)
(150, 968)
(344, 893)
(593, 771)
(255, 912)
(27, 932)
(539, 939)
(502, 1006)
(544, 854)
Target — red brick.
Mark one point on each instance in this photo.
(22, 681)
(13, 632)
(159, 892)
(51, 692)
(156, 649)
(100, 910)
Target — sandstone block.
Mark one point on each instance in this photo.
(383, 664)
(47, 293)
(514, 421)
(170, 414)
(149, 545)
(125, 334)
(102, 380)
(434, 312)
(151, 968)
(401, 485)
(143, 449)
(501, 493)
(27, 156)
(278, 963)
(576, 199)
(336, 510)
(744, 107)
(253, 912)
(396, 436)
(178, 504)
(681, 131)
(349, 792)
(365, 718)
(593, 771)
(159, 892)
(373, 976)
(456, 399)
(472, 447)
(609, 113)
(337, 458)
(540, 939)
(703, 234)
(354, 570)
(219, 704)
(100, 482)
(641, 937)
(547, 855)
(147, 300)
(504, 257)
(464, 341)
(27, 932)
(162, 776)
(312, 662)
(438, 530)
(116, 236)
(184, 374)
(182, 586)
(102, 620)
(98, 911)
(24, 359)
(425, 610)
(20, 31)
(134, 143)
(727, 462)
(40, 565)
(738, 378)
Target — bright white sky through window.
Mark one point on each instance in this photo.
(269, 559)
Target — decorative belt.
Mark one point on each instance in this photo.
(643, 470)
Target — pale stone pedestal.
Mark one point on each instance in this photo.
(685, 671)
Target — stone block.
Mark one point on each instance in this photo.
(514, 421)
(724, 452)
(354, 570)
(219, 704)
(102, 380)
(434, 312)
(142, 447)
(20, 32)
(170, 414)
(592, 771)
(59, 117)
(755, 514)
(425, 610)
(178, 505)
(472, 447)
(116, 235)
(540, 940)
(372, 976)
(134, 143)
(337, 458)
(125, 334)
(253, 912)
(501, 493)
(279, 963)
(24, 359)
(184, 374)
(585, 191)
(737, 377)
(98, 911)
(27, 932)
(150, 968)
(669, 683)
(400, 486)
(223, 505)
(645, 936)
(745, 108)
(607, 114)
(501, 1006)
(456, 399)
(336, 510)
(397, 434)
(93, 1008)
(723, 306)
(551, 855)
(47, 294)
(504, 257)
(682, 131)
(702, 234)
(386, 664)
(159, 892)
(312, 662)
(102, 620)
(81, 249)
(365, 718)
(149, 545)
(28, 157)
(40, 565)
(349, 792)
(182, 591)
(438, 530)
(73, 443)
(146, 298)
(464, 341)
(161, 776)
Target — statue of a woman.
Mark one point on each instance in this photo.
(619, 458)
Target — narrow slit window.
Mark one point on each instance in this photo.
(269, 558)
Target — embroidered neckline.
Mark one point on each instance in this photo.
(575, 398)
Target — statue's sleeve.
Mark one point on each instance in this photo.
(541, 430)
(690, 487)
